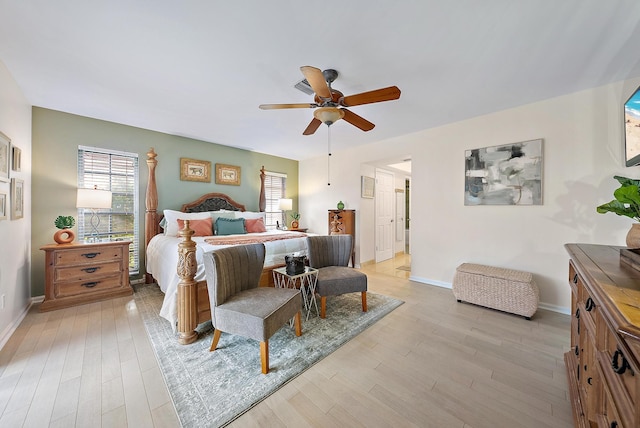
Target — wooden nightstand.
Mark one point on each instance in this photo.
(82, 273)
(300, 229)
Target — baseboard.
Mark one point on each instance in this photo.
(11, 328)
(549, 307)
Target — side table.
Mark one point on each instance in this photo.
(305, 281)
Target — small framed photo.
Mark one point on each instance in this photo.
(5, 156)
(195, 170)
(368, 187)
(16, 158)
(227, 174)
(3, 206)
(17, 198)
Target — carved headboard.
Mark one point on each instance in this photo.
(212, 202)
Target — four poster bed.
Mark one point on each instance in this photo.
(174, 250)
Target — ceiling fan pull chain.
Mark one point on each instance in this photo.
(329, 155)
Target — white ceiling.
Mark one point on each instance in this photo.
(201, 68)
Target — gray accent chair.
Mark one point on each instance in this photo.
(239, 306)
(330, 255)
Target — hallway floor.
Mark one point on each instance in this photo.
(399, 266)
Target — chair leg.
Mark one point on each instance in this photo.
(323, 306)
(364, 301)
(264, 356)
(216, 338)
(298, 323)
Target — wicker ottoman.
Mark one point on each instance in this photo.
(506, 290)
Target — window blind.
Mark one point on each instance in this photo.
(274, 189)
(116, 171)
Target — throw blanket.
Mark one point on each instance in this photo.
(250, 239)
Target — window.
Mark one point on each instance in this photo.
(274, 189)
(116, 171)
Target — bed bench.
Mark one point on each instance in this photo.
(506, 290)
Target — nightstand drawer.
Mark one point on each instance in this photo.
(88, 255)
(87, 273)
(66, 289)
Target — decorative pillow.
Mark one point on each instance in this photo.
(202, 227)
(254, 225)
(230, 226)
(215, 215)
(171, 217)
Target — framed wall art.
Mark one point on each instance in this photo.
(227, 174)
(17, 199)
(5, 156)
(367, 187)
(195, 170)
(3, 206)
(510, 174)
(16, 158)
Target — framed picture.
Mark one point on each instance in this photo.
(227, 174)
(368, 187)
(195, 170)
(16, 158)
(17, 198)
(510, 174)
(5, 144)
(3, 206)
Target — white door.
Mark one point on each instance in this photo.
(384, 202)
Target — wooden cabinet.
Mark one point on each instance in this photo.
(81, 273)
(603, 363)
(344, 222)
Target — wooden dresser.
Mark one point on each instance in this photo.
(82, 273)
(603, 364)
(344, 222)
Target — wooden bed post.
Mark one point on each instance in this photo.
(151, 203)
(262, 203)
(187, 287)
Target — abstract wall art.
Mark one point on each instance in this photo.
(510, 174)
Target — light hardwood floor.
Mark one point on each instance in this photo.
(431, 362)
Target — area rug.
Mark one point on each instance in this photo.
(213, 388)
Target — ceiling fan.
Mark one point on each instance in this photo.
(330, 102)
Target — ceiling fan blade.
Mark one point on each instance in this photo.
(280, 106)
(376, 96)
(316, 79)
(313, 126)
(357, 121)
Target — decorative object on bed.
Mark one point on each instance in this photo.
(17, 198)
(510, 174)
(195, 170)
(227, 174)
(330, 255)
(201, 227)
(230, 226)
(627, 204)
(5, 144)
(239, 306)
(64, 235)
(188, 370)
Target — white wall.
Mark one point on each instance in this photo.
(583, 145)
(15, 235)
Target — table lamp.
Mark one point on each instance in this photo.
(94, 200)
(285, 205)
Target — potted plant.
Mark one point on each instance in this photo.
(626, 203)
(295, 216)
(65, 235)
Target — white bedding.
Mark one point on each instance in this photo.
(162, 263)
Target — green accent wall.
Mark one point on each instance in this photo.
(55, 140)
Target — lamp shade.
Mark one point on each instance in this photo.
(285, 204)
(93, 198)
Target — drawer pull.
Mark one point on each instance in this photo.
(578, 313)
(615, 364)
(613, 424)
(577, 351)
(91, 269)
(589, 304)
(589, 380)
(575, 278)
(90, 284)
(90, 255)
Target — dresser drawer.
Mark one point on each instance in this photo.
(617, 365)
(74, 288)
(87, 273)
(88, 255)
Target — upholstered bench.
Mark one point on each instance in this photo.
(506, 290)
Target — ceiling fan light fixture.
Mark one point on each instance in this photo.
(328, 115)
